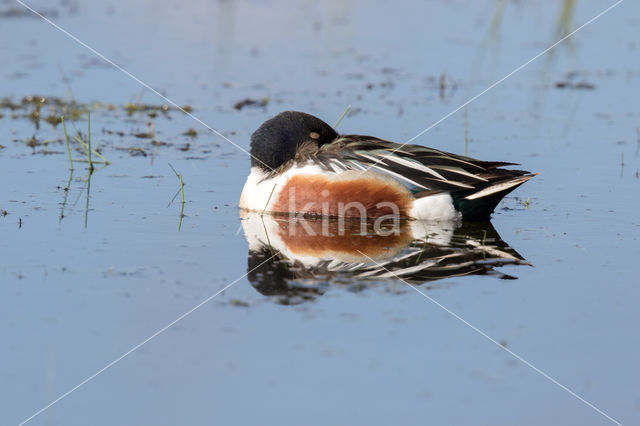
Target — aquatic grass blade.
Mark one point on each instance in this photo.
(66, 138)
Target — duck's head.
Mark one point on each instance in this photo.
(277, 140)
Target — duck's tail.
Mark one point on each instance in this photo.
(479, 203)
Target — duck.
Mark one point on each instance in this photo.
(301, 166)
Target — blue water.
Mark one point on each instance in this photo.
(78, 292)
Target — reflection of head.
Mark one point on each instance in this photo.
(275, 277)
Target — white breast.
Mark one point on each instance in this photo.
(258, 188)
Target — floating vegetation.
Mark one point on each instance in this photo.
(36, 110)
(135, 151)
(144, 135)
(37, 107)
(132, 108)
(569, 82)
(54, 120)
(153, 110)
(192, 133)
(524, 203)
(32, 100)
(255, 103)
(113, 132)
(447, 87)
(239, 303)
(31, 142)
(21, 12)
(74, 110)
(156, 142)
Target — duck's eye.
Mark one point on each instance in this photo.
(314, 135)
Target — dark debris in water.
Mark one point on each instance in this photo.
(32, 103)
(132, 108)
(20, 12)
(569, 82)
(137, 151)
(255, 103)
(54, 120)
(239, 303)
(113, 132)
(33, 100)
(143, 135)
(192, 133)
(583, 85)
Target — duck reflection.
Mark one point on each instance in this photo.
(295, 260)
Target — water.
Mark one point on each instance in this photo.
(80, 290)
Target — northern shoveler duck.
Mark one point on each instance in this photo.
(301, 165)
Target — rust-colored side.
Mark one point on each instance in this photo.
(318, 195)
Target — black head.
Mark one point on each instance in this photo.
(277, 140)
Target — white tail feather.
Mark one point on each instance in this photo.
(498, 187)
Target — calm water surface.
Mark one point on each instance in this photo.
(89, 268)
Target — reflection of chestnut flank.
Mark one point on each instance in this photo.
(308, 239)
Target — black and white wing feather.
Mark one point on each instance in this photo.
(421, 168)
